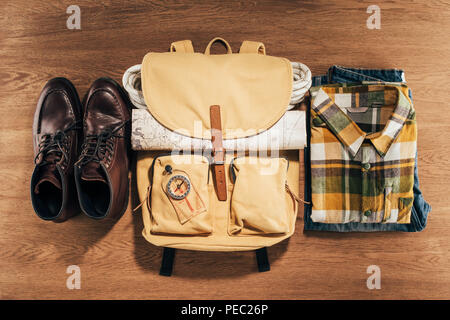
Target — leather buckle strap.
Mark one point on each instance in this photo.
(218, 153)
(218, 156)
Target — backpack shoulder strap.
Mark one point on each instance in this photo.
(168, 257)
(262, 259)
(252, 47)
(167, 262)
(183, 46)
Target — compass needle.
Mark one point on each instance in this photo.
(175, 184)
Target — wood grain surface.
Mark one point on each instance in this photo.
(115, 261)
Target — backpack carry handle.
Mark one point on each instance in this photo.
(221, 40)
(185, 46)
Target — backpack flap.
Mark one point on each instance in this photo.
(252, 89)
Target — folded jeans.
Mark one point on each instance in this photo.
(420, 209)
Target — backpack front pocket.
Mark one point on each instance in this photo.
(258, 201)
(179, 195)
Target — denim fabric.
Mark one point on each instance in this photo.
(420, 209)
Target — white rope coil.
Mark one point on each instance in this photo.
(301, 83)
(131, 81)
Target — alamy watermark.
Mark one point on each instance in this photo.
(374, 21)
(74, 20)
(74, 280)
(374, 280)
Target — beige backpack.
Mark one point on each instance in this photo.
(217, 200)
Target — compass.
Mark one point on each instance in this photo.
(178, 187)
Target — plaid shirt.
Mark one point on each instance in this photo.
(363, 146)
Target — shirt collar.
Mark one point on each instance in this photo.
(347, 131)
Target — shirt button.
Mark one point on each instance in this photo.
(367, 213)
(366, 166)
(317, 122)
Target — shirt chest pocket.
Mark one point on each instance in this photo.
(380, 204)
(389, 212)
(393, 208)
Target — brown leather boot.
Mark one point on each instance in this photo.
(101, 173)
(56, 137)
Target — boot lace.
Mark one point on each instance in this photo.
(98, 146)
(54, 148)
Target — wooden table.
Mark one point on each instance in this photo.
(115, 261)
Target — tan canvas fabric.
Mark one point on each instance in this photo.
(253, 91)
(215, 229)
(258, 195)
(180, 86)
